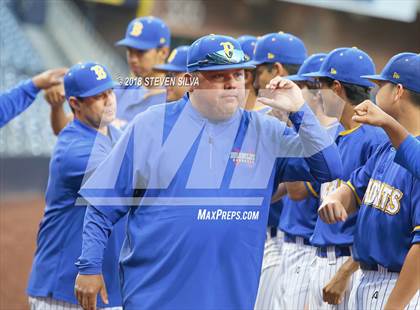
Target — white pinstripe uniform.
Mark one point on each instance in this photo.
(323, 271)
(271, 272)
(293, 291)
(373, 290)
(48, 303)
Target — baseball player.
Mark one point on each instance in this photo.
(342, 88)
(387, 235)
(248, 45)
(175, 68)
(79, 149)
(275, 54)
(204, 170)
(299, 214)
(147, 42)
(18, 99)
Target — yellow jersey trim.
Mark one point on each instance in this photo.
(359, 201)
(311, 189)
(347, 132)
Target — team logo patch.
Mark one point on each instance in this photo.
(228, 48)
(333, 71)
(270, 56)
(99, 71)
(396, 75)
(137, 29)
(239, 157)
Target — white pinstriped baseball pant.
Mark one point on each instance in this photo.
(48, 303)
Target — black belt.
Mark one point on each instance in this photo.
(339, 251)
(295, 239)
(273, 231)
(374, 267)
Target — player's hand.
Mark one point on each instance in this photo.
(87, 288)
(282, 94)
(333, 292)
(55, 95)
(49, 78)
(369, 113)
(332, 211)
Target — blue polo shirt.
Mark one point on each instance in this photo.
(78, 152)
(202, 191)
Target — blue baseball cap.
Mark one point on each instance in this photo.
(248, 43)
(177, 60)
(216, 52)
(311, 64)
(346, 64)
(87, 79)
(404, 69)
(279, 47)
(145, 33)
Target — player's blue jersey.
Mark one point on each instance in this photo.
(16, 100)
(196, 233)
(389, 215)
(59, 240)
(134, 100)
(408, 155)
(355, 146)
(298, 218)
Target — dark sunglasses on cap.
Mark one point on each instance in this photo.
(220, 58)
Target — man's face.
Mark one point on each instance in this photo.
(176, 92)
(263, 76)
(385, 95)
(99, 110)
(333, 105)
(311, 93)
(141, 62)
(220, 93)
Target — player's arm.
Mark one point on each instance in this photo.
(312, 142)
(369, 113)
(115, 177)
(338, 205)
(280, 192)
(56, 98)
(333, 293)
(408, 154)
(408, 282)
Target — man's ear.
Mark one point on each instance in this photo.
(74, 103)
(398, 92)
(281, 71)
(338, 89)
(189, 77)
(163, 53)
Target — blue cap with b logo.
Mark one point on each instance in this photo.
(145, 33)
(404, 69)
(346, 64)
(248, 43)
(216, 52)
(177, 60)
(87, 79)
(279, 47)
(311, 64)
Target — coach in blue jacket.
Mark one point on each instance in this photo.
(196, 178)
